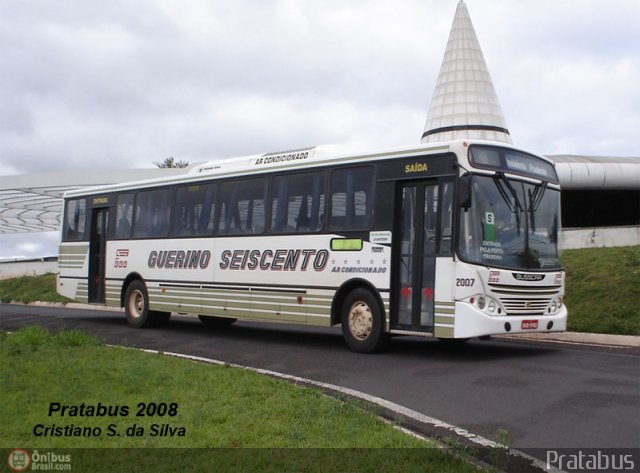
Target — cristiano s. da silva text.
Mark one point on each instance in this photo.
(111, 420)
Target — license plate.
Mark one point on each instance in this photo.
(529, 324)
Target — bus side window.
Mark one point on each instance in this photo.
(297, 203)
(75, 216)
(152, 214)
(352, 196)
(124, 215)
(242, 207)
(193, 211)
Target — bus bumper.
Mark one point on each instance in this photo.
(472, 322)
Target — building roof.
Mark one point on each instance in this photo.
(33, 203)
(597, 172)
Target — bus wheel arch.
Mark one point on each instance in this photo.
(130, 277)
(137, 307)
(359, 308)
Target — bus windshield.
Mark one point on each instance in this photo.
(510, 224)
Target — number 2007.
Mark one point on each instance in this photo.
(465, 282)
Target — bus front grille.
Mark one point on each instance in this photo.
(519, 300)
(525, 306)
(525, 291)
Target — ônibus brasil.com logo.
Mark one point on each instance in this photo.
(20, 460)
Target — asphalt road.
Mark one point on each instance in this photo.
(546, 395)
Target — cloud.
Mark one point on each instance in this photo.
(91, 84)
(88, 84)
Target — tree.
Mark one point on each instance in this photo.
(170, 162)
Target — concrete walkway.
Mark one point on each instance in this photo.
(583, 338)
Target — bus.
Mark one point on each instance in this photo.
(452, 240)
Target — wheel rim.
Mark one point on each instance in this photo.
(360, 320)
(136, 303)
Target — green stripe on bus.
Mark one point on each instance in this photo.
(155, 293)
(240, 313)
(444, 332)
(73, 250)
(72, 257)
(445, 311)
(319, 321)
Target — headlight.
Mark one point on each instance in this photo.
(492, 306)
(553, 307)
(486, 304)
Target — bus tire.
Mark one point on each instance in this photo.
(216, 322)
(136, 307)
(363, 322)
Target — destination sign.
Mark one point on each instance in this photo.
(512, 161)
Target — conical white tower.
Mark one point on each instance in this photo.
(464, 102)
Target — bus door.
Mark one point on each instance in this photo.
(97, 254)
(415, 262)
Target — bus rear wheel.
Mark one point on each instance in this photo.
(363, 322)
(136, 307)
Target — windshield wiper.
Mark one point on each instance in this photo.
(535, 198)
(515, 207)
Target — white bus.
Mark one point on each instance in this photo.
(453, 240)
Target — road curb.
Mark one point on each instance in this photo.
(73, 305)
(580, 338)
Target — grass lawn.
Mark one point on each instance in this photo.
(284, 427)
(31, 289)
(603, 290)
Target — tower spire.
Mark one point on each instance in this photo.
(464, 103)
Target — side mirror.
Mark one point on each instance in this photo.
(464, 191)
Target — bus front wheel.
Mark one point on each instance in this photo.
(136, 306)
(363, 322)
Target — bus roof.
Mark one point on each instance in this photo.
(285, 160)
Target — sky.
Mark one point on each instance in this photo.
(95, 85)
